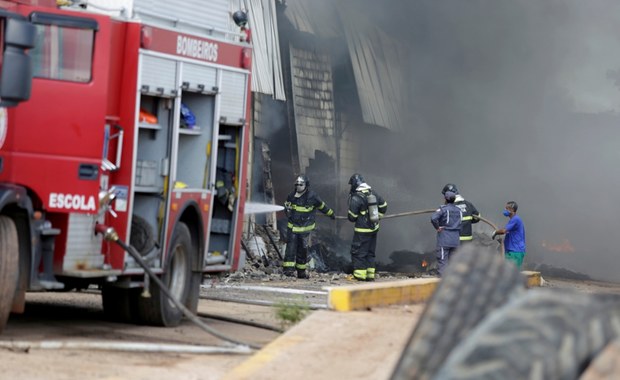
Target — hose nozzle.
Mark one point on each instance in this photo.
(108, 233)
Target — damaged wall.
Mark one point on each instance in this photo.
(311, 78)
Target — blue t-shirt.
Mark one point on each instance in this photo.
(515, 235)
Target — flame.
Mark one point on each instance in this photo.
(563, 246)
(424, 264)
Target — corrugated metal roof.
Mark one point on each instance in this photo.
(380, 69)
(266, 61)
(379, 62)
(317, 17)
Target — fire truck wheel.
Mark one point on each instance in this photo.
(543, 334)
(142, 237)
(9, 267)
(476, 281)
(119, 305)
(158, 310)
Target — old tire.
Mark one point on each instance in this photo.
(544, 334)
(9, 267)
(476, 281)
(142, 237)
(119, 304)
(158, 310)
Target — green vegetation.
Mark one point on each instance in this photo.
(290, 312)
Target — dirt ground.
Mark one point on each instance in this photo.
(78, 317)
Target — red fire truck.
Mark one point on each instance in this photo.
(136, 131)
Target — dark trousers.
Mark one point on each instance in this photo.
(363, 250)
(443, 257)
(297, 248)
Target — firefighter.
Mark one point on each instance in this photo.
(469, 211)
(366, 207)
(300, 207)
(447, 222)
(225, 189)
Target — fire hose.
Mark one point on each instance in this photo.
(110, 234)
(430, 211)
(420, 212)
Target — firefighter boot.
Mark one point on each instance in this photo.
(289, 272)
(301, 273)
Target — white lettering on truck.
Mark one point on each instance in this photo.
(72, 202)
(194, 48)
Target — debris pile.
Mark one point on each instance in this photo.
(547, 270)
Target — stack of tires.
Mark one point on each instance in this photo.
(481, 323)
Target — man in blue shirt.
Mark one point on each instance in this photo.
(514, 244)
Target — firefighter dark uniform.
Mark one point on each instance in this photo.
(447, 222)
(225, 189)
(300, 207)
(365, 231)
(470, 216)
(469, 211)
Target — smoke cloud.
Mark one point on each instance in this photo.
(514, 100)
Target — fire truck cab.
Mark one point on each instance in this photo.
(137, 128)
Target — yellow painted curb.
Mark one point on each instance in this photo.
(364, 296)
(533, 278)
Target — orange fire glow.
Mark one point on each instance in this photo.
(424, 264)
(563, 246)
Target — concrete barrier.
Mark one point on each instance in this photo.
(365, 296)
(376, 294)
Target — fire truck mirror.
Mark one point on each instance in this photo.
(16, 71)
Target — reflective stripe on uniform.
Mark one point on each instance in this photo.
(360, 273)
(330, 212)
(299, 208)
(466, 238)
(358, 229)
(370, 272)
(383, 205)
(288, 264)
(352, 214)
(301, 266)
(467, 218)
(301, 229)
(321, 206)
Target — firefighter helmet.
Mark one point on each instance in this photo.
(450, 187)
(449, 196)
(355, 180)
(240, 18)
(301, 183)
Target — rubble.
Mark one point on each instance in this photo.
(328, 259)
(556, 272)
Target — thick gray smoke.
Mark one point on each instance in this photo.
(510, 100)
(514, 100)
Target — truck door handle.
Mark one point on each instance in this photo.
(88, 172)
(106, 163)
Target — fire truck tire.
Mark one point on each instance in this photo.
(142, 237)
(543, 334)
(476, 281)
(9, 267)
(158, 310)
(119, 305)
